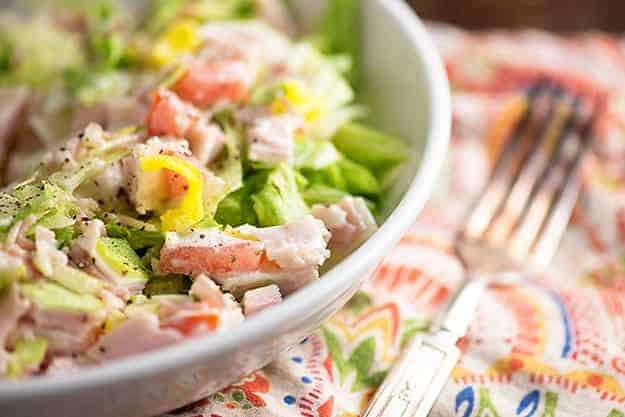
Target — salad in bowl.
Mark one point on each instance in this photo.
(214, 166)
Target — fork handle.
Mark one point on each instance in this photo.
(416, 381)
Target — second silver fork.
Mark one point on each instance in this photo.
(518, 219)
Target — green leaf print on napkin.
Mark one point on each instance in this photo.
(360, 361)
(410, 328)
(358, 303)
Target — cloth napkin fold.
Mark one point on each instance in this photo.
(553, 345)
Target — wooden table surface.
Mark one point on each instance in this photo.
(557, 15)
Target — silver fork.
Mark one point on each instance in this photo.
(518, 220)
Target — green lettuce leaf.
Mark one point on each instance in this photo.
(137, 238)
(237, 209)
(322, 194)
(170, 284)
(373, 149)
(278, 201)
(315, 154)
(230, 167)
(340, 34)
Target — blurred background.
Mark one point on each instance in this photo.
(555, 15)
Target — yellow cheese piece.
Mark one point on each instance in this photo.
(191, 209)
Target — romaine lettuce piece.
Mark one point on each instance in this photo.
(166, 11)
(330, 175)
(237, 209)
(340, 33)
(230, 166)
(315, 154)
(170, 284)
(65, 235)
(207, 222)
(137, 238)
(322, 194)
(43, 51)
(360, 180)
(279, 200)
(369, 147)
(28, 354)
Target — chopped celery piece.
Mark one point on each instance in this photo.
(28, 354)
(369, 147)
(279, 200)
(11, 269)
(119, 256)
(52, 296)
(137, 238)
(170, 284)
(76, 280)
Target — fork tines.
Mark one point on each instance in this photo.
(527, 202)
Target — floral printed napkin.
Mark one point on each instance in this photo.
(552, 346)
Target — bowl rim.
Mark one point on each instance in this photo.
(269, 324)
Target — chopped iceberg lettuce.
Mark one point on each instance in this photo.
(52, 206)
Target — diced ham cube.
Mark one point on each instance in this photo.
(214, 81)
(170, 116)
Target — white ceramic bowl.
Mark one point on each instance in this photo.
(408, 95)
